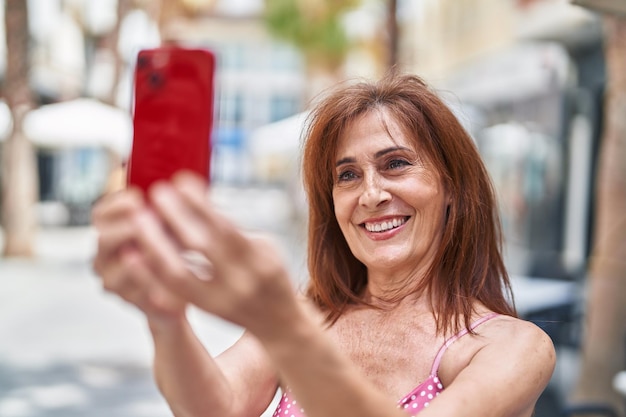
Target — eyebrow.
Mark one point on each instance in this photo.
(378, 154)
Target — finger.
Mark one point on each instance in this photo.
(136, 226)
(192, 228)
(117, 277)
(181, 269)
(133, 281)
(112, 239)
(116, 228)
(161, 251)
(115, 206)
(193, 193)
(134, 251)
(166, 262)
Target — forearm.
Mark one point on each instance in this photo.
(186, 374)
(325, 383)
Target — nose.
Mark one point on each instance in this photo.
(374, 192)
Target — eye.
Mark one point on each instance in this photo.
(398, 163)
(346, 175)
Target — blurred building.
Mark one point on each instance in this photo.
(527, 79)
(258, 81)
(530, 80)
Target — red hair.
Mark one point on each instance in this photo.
(468, 266)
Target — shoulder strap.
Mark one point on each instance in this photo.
(454, 338)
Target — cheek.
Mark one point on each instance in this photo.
(432, 208)
(439, 215)
(342, 209)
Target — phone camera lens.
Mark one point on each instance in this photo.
(142, 61)
(156, 79)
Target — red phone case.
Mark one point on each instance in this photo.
(173, 114)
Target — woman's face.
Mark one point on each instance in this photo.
(389, 202)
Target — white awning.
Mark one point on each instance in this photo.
(280, 137)
(80, 122)
(275, 148)
(521, 71)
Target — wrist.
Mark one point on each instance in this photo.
(162, 324)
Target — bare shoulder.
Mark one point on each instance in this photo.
(511, 359)
(511, 331)
(519, 342)
(506, 339)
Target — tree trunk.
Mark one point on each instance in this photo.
(19, 179)
(392, 34)
(111, 42)
(604, 345)
(170, 14)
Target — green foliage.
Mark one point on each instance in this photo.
(313, 26)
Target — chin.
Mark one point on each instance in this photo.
(384, 260)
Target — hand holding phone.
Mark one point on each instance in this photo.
(172, 114)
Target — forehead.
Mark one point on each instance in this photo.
(376, 128)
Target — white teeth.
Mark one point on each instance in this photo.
(384, 226)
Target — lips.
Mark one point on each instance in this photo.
(385, 225)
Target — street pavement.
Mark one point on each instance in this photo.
(69, 349)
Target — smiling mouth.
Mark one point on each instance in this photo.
(386, 225)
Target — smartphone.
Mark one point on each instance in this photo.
(172, 114)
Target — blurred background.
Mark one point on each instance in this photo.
(539, 84)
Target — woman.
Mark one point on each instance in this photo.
(406, 310)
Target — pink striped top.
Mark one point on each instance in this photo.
(415, 401)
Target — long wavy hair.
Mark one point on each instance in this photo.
(468, 265)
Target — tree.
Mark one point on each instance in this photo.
(19, 176)
(315, 27)
(604, 344)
